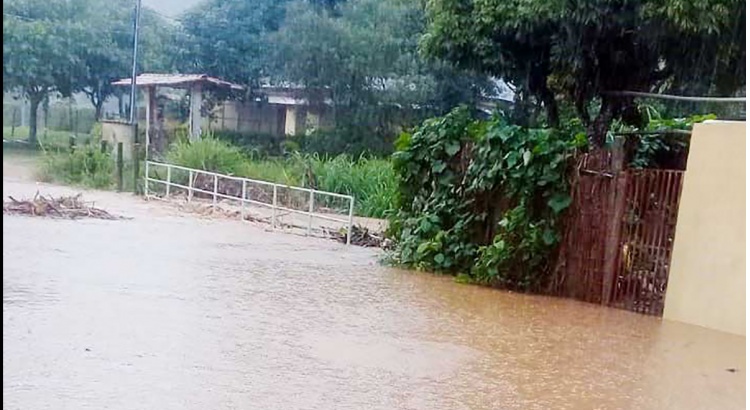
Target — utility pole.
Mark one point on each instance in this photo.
(133, 108)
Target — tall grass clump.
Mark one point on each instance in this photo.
(86, 166)
(208, 154)
(371, 181)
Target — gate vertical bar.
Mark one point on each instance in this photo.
(120, 166)
(216, 188)
(169, 180)
(351, 215)
(190, 186)
(310, 219)
(145, 180)
(244, 197)
(273, 213)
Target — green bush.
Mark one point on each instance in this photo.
(348, 141)
(48, 139)
(329, 142)
(86, 166)
(254, 143)
(481, 199)
(371, 181)
(280, 171)
(209, 154)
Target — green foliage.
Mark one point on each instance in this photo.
(326, 142)
(364, 59)
(254, 143)
(64, 47)
(36, 59)
(371, 181)
(48, 139)
(96, 131)
(482, 198)
(352, 141)
(229, 38)
(653, 150)
(86, 166)
(208, 154)
(584, 50)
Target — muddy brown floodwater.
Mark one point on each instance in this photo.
(170, 311)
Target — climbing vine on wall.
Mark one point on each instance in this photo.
(482, 199)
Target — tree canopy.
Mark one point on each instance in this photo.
(366, 56)
(582, 51)
(73, 46)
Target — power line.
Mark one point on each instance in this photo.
(676, 97)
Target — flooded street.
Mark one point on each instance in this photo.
(171, 311)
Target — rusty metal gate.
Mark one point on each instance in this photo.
(646, 240)
(636, 212)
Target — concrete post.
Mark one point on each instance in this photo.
(196, 101)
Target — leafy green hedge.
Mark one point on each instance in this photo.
(481, 198)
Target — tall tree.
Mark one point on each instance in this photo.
(105, 52)
(586, 49)
(366, 56)
(227, 38)
(37, 52)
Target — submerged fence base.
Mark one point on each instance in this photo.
(641, 224)
(307, 203)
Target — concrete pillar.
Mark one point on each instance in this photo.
(196, 101)
(150, 117)
(290, 128)
(312, 121)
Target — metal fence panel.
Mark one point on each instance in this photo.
(162, 180)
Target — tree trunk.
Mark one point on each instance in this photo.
(596, 131)
(34, 109)
(550, 105)
(98, 110)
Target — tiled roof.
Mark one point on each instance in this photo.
(177, 80)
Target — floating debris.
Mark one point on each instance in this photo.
(361, 236)
(65, 207)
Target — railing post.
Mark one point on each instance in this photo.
(190, 186)
(351, 216)
(120, 167)
(145, 180)
(244, 197)
(312, 207)
(169, 180)
(216, 188)
(273, 208)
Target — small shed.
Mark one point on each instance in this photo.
(196, 84)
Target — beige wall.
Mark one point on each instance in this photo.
(290, 127)
(248, 117)
(114, 132)
(276, 119)
(707, 276)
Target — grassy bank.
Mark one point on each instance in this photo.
(371, 181)
(48, 138)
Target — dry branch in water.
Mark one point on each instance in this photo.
(361, 236)
(66, 207)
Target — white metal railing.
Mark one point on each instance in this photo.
(193, 173)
